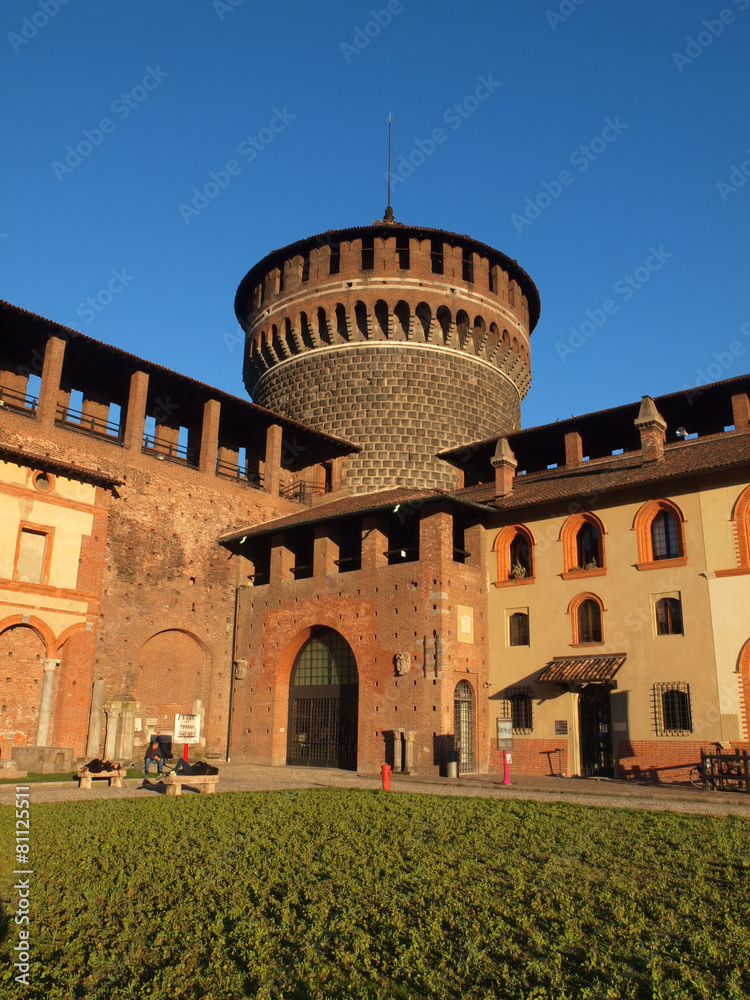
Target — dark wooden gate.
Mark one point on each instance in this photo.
(595, 732)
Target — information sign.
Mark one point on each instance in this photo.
(187, 729)
(504, 734)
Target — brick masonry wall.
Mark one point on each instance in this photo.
(154, 560)
(401, 403)
(380, 612)
(532, 756)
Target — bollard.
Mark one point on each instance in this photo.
(506, 760)
(385, 774)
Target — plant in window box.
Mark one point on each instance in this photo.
(518, 571)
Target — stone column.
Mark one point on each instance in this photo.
(110, 745)
(95, 720)
(209, 436)
(54, 353)
(409, 750)
(125, 737)
(45, 709)
(397, 764)
(272, 460)
(135, 415)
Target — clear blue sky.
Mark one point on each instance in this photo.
(183, 84)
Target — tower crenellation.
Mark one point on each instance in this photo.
(405, 340)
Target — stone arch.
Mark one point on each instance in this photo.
(307, 337)
(291, 347)
(173, 671)
(23, 655)
(424, 315)
(462, 325)
(445, 319)
(323, 326)
(360, 317)
(743, 669)
(381, 317)
(402, 316)
(342, 328)
(323, 701)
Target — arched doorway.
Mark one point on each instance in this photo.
(463, 718)
(323, 700)
(595, 731)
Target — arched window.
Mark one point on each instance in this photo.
(514, 546)
(741, 521)
(403, 320)
(586, 613)
(660, 533)
(518, 624)
(360, 315)
(444, 318)
(424, 315)
(668, 616)
(381, 315)
(342, 327)
(582, 536)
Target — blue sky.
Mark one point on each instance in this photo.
(605, 154)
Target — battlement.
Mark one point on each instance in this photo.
(402, 339)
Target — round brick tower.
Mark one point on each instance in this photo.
(407, 341)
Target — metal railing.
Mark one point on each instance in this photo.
(303, 491)
(76, 420)
(19, 402)
(231, 470)
(168, 450)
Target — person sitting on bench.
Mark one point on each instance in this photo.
(156, 753)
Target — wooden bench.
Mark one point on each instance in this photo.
(203, 782)
(113, 777)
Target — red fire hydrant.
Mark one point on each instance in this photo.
(385, 774)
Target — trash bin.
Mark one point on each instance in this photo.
(451, 764)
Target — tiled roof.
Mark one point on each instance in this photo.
(25, 457)
(582, 669)
(590, 480)
(404, 497)
(7, 309)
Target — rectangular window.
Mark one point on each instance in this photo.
(672, 710)
(32, 557)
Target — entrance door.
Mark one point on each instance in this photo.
(323, 700)
(595, 731)
(463, 712)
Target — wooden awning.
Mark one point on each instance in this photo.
(582, 669)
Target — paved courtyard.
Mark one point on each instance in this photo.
(240, 777)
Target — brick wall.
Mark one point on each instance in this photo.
(402, 403)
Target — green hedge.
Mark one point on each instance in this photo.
(348, 894)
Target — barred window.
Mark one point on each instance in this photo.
(672, 709)
(519, 707)
(519, 629)
(668, 616)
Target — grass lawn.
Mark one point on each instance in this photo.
(352, 894)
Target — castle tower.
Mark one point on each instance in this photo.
(407, 341)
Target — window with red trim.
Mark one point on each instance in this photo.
(659, 525)
(586, 611)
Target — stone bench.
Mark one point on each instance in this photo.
(113, 777)
(203, 782)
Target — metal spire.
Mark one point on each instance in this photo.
(388, 217)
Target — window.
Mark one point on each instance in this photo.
(518, 624)
(668, 616)
(586, 612)
(664, 536)
(33, 553)
(660, 531)
(514, 546)
(582, 536)
(672, 709)
(519, 707)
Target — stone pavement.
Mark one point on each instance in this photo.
(240, 777)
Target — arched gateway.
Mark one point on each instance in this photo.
(323, 697)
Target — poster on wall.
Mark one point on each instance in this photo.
(504, 734)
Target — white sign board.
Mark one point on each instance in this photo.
(187, 729)
(504, 734)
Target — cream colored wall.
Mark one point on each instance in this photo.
(629, 624)
(70, 526)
